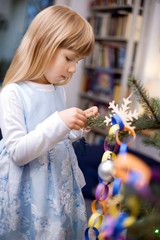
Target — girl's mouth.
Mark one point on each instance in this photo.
(63, 77)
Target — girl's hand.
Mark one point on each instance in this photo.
(74, 118)
(91, 111)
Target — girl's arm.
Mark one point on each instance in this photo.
(23, 147)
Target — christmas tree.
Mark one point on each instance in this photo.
(147, 224)
(148, 120)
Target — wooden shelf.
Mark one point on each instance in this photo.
(94, 98)
(112, 8)
(107, 70)
(111, 39)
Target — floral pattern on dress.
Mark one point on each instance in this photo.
(42, 200)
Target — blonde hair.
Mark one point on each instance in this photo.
(54, 27)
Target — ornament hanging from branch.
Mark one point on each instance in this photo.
(124, 112)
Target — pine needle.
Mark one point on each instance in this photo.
(95, 121)
(150, 105)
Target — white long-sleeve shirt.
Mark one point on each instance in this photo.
(21, 146)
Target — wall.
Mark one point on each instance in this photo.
(5, 7)
(5, 10)
(16, 13)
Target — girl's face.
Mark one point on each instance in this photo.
(62, 66)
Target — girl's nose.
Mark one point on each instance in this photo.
(72, 68)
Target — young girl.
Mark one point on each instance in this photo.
(40, 181)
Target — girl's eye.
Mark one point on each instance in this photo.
(68, 59)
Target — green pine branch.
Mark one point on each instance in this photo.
(145, 122)
(149, 120)
(95, 121)
(153, 141)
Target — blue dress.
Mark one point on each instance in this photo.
(41, 200)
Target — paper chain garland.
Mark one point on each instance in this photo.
(114, 170)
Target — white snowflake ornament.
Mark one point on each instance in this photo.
(124, 112)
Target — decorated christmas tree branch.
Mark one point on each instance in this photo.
(123, 111)
(149, 120)
(153, 141)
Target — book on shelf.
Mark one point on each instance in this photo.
(89, 79)
(117, 91)
(99, 83)
(121, 57)
(115, 24)
(103, 83)
(104, 25)
(107, 55)
(138, 27)
(84, 83)
(109, 24)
